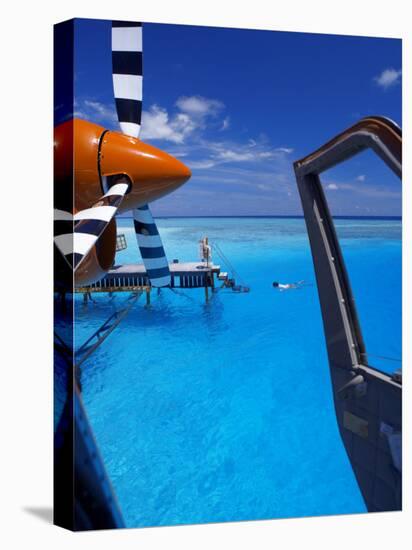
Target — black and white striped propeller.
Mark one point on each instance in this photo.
(75, 235)
(127, 61)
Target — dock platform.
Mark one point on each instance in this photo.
(133, 277)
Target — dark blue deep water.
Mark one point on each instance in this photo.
(223, 411)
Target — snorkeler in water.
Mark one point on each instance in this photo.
(287, 286)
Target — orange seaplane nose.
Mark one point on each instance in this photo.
(153, 173)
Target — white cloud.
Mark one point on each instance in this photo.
(192, 115)
(198, 106)
(243, 154)
(202, 164)
(225, 123)
(361, 178)
(95, 111)
(265, 187)
(156, 124)
(369, 191)
(223, 152)
(229, 155)
(388, 78)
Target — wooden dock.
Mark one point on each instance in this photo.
(133, 277)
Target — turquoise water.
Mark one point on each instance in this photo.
(223, 411)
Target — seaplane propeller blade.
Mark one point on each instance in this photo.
(127, 75)
(151, 247)
(127, 61)
(75, 235)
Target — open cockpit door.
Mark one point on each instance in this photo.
(368, 402)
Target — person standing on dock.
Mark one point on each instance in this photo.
(205, 250)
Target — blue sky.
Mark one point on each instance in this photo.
(239, 106)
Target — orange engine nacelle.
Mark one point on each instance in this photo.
(84, 153)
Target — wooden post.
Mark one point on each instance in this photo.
(148, 296)
(212, 280)
(206, 287)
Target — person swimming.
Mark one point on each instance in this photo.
(287, 286)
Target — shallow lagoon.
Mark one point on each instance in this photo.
(223, 411)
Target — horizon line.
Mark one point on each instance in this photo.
(281, 216)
